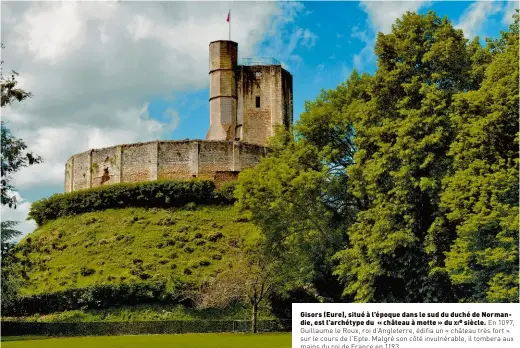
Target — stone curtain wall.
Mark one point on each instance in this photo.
(105, 167)
(218, 160)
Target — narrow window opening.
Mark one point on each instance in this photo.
(257, 102)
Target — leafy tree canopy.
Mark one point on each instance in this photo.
(403, 183)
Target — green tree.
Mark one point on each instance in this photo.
(8, 233)
(251, 279)
(14, 157)
(298, 195)
(403, 133)
(480, 195)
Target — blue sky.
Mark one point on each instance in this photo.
(324, 65)
(110, 73)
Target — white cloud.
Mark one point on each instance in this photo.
(284, 42)
(366, 56)
(308, 38)
(382, 14)
(345, 71)
(93, 66)
(19, 214)
(473, 19)
(509, 11)
(318, 78)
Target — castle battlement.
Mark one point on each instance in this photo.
(247, 103)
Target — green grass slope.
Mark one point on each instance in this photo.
(131, 245)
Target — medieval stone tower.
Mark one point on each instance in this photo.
(246, 101)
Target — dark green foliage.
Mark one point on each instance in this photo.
(403, 134)
(475, 240)
(298, 195)
(161, 194)
(7, 233)
(226, 192)
(14, 156)
(138, 328)
(98, 296)
(408, 178)
(10, 279)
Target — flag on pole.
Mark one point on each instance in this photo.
(229, 21)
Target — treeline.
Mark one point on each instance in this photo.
(155, 194)
(402, 186)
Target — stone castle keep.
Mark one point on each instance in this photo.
(246, 104)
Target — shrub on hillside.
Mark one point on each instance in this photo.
(226, 192)
(155, 194)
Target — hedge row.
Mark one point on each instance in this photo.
(158, 194)
(94, 297)
(138, 328)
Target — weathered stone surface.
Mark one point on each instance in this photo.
(234, 91)
(106, 166)
(167, 159)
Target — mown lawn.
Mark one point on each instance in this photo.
(219, 340)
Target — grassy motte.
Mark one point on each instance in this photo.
(130, 245)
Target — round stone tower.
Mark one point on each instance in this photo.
(222, 90)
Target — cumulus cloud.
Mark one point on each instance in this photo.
(93, 66)
(473, 19)
(382, 14)
(509, 11)
(380, 17)
(282, 42)
(366, 56)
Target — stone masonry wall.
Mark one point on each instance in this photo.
(273, 85)
(218, 160)
(106, 166)
(81, 171)
(222, 90)
(174, 160)
(137, 162)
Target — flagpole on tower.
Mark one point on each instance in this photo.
(229, 21)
